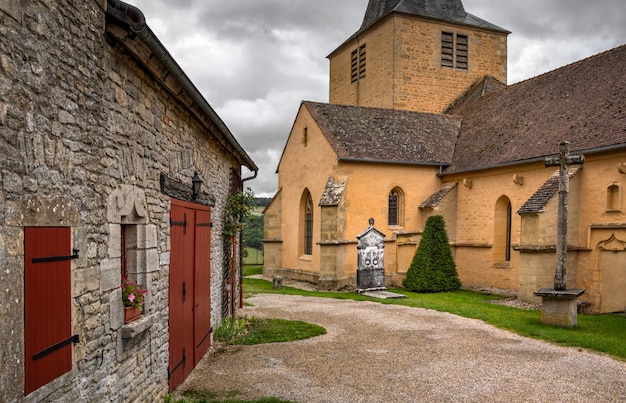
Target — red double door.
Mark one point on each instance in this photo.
(189, 289)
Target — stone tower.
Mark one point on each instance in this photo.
(418, 55)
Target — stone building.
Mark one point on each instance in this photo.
(101, 134)
(421, 122)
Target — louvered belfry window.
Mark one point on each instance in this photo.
(454, 50)
(358, 62)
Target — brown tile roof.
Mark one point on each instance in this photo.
(438, 196)
(333, 192)
(387, 135)
(584, 103)
(538, 201)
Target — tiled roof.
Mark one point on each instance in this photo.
(438, 196)
(386, 135)
(583, 103)
(333, 192)
(538, 201)
(443, 10)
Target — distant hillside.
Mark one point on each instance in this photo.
(262, 201)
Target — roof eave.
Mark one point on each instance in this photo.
(595, 150)
(132, 17)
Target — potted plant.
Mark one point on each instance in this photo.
(133, 298)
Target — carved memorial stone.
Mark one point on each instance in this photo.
(370, 275)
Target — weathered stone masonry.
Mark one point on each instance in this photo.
(85, 133)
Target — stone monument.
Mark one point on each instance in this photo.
(558, 304)
(370, 275)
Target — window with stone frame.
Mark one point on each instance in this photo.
(454, 50)
(133, 246)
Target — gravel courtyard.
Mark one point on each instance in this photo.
(385, 353)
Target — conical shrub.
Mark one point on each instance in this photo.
(433, 268)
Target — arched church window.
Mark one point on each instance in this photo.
(395, 207)
(307, 224)
(502, 230)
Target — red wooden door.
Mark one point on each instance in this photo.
(190, 285)
(202, 285)
(181, 294)
(47, 305)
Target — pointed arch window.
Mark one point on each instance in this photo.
(395, 210)
(306, 232)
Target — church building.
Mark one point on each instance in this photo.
(421, 122)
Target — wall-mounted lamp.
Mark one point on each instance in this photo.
(196, 184)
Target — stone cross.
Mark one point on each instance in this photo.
(564, 160)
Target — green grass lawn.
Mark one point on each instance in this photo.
(601, 333)
(254, 257)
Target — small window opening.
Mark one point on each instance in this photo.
(358, 63)
(395, 208)
(308, 231)
(454, 50)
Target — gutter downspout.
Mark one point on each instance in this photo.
(133, 16)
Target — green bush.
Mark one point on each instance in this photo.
(433, 268)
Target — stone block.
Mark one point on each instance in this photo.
(12, 8)
(150, 236)
(136, 327)
(135, 261)
(116, 309)
(115, 241)
(152, 261)
(559, 308)
(110, 274)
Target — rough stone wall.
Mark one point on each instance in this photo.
(404, 65)
(79, 121)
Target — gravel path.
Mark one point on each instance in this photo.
(386, 353)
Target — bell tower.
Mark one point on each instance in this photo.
(418, 55)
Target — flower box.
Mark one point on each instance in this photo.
(131, 313)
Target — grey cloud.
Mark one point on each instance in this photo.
(280, 49)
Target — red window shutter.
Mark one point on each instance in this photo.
(47, 306)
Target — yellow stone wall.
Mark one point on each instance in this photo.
(403, 68)
(301, 167)
(376, 89)
(474, 224)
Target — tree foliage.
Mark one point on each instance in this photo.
(238, 210)
(253, 232)
(433, 268)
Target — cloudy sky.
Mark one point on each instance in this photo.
(256, 60)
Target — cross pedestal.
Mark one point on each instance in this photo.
(558, 304)
(559, 308)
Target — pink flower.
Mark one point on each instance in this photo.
(131, 297)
